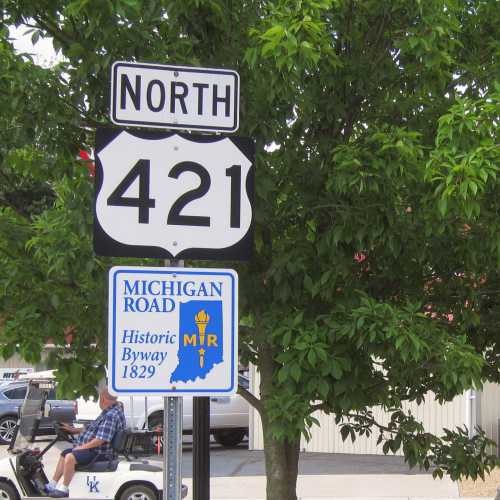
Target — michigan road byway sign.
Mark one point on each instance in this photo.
(173, 331)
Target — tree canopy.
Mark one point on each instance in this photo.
(377, 246)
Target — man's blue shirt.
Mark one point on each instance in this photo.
(104, 427)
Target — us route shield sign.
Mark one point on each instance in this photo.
(168, 195)
(173, 331)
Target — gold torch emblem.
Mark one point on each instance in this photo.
(201, 320)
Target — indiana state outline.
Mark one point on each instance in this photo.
(200, 339)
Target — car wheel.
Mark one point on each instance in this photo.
(7, 428)
(229, 438)
(155, 421)
(8, 492)
(139, 492)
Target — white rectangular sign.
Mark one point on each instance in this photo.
(13, 373)
(174, 97)
(173, 331)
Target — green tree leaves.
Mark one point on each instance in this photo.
(377, 241)
(297, 37)
(464, 165)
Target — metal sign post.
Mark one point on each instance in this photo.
(201, 448)
(172, 447)
(172, 437)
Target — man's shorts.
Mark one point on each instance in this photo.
(83, 457)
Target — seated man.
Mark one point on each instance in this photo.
(93, 442)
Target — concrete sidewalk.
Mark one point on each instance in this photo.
(323, 487)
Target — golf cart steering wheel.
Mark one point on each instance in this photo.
(62, 434)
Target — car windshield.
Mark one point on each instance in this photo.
(16, 392)
(31, 413)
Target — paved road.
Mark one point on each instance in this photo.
(240, 461)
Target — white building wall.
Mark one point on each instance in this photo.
(15, 362)
(489, 411)
(326, 437)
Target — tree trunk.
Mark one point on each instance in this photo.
(281, 456)
(282, 464)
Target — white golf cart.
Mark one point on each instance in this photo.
(124, 477)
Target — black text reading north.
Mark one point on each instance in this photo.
(173, 97)
(150, 296)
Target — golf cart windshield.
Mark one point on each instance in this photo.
(31, 413)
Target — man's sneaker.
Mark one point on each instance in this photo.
(48, 489)
(59, 494)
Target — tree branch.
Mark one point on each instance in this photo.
(250, 398)
(371, 421)
(54, 31)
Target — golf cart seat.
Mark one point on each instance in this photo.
(99, 466)
(125, 442)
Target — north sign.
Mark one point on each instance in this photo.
(173, 331)
(174, 97)
(167, 195)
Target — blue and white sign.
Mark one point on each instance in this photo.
(173, 331)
